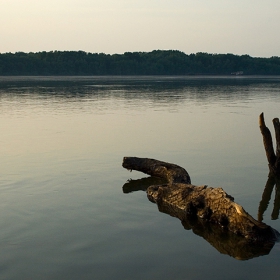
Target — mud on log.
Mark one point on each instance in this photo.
(213, 205)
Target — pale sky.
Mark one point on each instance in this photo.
(118, 26)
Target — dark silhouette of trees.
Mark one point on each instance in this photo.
(157, 62)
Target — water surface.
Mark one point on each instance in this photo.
(64, 212)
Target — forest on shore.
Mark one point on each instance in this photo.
(158, 62)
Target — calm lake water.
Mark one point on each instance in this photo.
(67, 211)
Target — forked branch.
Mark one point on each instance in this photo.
(272, 158)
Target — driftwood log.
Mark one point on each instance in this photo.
(223, 240)
(168, 171)
(210, 204)
(211, 212)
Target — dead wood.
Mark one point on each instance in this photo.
(213, 205)
(211, 212)
(221, 239)
(272, 157)
(168, 171)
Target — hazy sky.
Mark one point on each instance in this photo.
(117, 26)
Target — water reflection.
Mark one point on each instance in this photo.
(141, 184)
(60, 148)
(159, 89)
(225, 242)
(271, 182)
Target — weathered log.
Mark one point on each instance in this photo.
(169, 171)
(222, 240)
(219, 237)
(210, 204)
(213, 205)
(142, 184)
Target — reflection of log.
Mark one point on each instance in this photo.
(209, 204)
(271, 182)
(141, 184)
(266, 196)
(276, 208)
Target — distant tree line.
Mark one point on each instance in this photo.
(157, 62)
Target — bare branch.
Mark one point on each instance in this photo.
(277, 135)
(267, 141)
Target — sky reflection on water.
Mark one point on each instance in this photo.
(64, 213)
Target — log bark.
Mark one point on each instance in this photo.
(212, 205)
